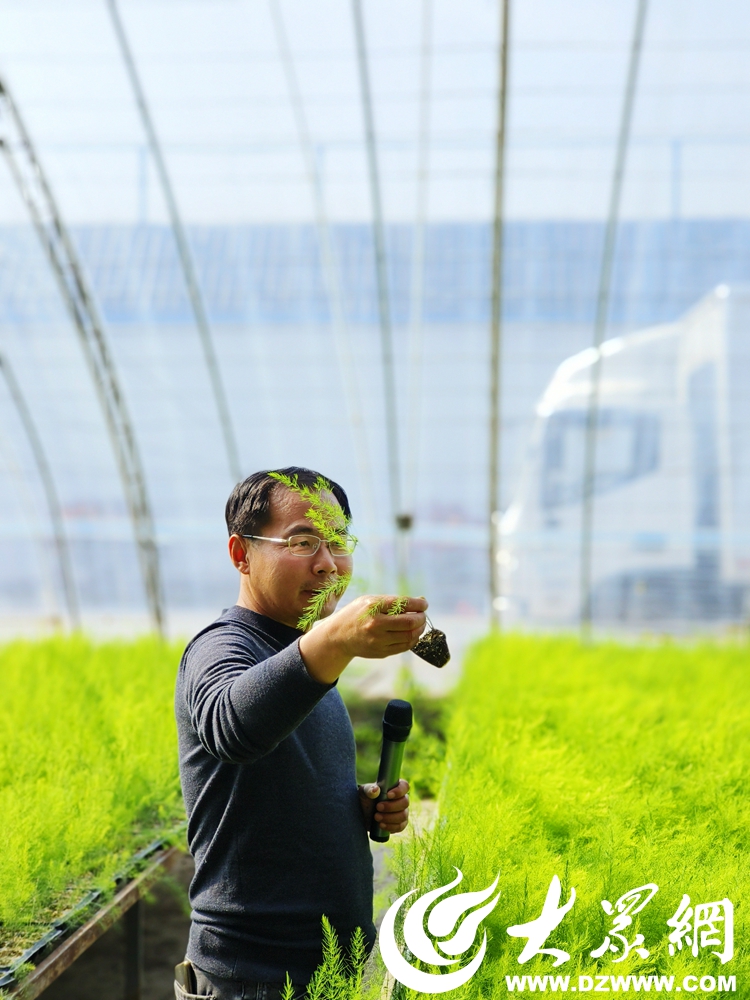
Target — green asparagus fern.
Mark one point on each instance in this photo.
(316, 605)
(340, 976)
(328, 518)
(324, 514)
(381, 606)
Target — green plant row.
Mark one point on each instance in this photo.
(425, 750)
(88, 772)
(609, 767)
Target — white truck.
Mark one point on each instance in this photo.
(671, 499)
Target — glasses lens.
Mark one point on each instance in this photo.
(343, 546)
(303, 545)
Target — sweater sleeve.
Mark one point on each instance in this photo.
(242, 711)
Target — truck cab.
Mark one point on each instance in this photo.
(671, 490)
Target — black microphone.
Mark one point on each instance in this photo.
(397, 720)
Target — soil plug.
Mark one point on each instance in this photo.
(433, 647)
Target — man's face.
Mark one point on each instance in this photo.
(275, 582)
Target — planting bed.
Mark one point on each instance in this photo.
(610, 767)
(88, 773)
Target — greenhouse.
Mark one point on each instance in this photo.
(487, 267)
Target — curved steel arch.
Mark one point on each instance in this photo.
(183, 248)
(496, 323)
(403, 521)
(50, 491)
(331, 276)
(416, 296)
(58, 246)
(600, 323)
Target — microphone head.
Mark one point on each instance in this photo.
(397, 720)
(398, 712)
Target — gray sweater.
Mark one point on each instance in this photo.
(267, 766)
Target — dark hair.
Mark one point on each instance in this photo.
(248, 508)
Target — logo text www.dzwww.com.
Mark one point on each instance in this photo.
(620, 984)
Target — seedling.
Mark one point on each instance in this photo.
(396, 607)
(317, 603)
(327, 517)
(340, 976)
(432, 647)
(332, 523)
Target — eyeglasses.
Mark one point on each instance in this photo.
(308, 545)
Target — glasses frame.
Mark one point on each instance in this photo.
(306, 555)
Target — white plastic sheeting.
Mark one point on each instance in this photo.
(302, 372)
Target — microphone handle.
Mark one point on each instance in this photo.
(391, 759)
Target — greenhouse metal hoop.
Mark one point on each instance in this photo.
(54, 507)
(496, 323)
(403, 521)
(197, 304)
(58, 246)
(342, 333)
(417, 277)
(600, 322)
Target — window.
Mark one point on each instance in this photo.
(627, 448)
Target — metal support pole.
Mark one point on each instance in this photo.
(416, 306)
(330, 269)
(134, 964)
(50, 492)
(403, 521)
(36, 193)
(496, 327)
(600, 323)
(183, 248)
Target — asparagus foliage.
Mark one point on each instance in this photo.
(316, 604)
(381, 606)
(340, 975)
(327, 517)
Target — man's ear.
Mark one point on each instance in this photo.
(238, 553)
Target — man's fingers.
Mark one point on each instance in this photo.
(397, 634)
(407, 603)
(405, 622)
(393, 805)
(385, 602)
(416, 604)
(394, 822)
(399, 790)
(390, 814)
(391, 818)
(380, 634)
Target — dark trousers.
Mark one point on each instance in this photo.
(210, 987)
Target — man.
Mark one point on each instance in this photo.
(277, 825)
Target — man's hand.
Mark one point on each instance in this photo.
(353, 631)
(393, 813)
